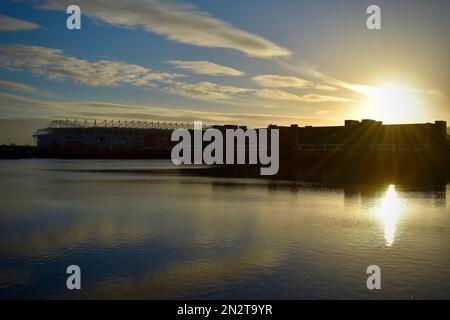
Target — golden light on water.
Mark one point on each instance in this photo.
(389, 211)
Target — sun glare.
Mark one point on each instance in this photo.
(393, 103)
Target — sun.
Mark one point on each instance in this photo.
(393, 103)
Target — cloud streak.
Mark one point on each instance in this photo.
(13, 24)
(207, 90)
(214, 91)
(177, 22)
(55, 65)
(276, 81)
(331, 82)
(206, 67)
(287, 96)
(27, 108)
(18, 87)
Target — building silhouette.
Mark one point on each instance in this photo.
(354, 136)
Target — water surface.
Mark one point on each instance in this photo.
(163, 235)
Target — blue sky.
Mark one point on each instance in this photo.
(246, 62)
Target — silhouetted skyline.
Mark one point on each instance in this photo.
(251, 63)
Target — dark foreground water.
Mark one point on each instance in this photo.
(160, 235)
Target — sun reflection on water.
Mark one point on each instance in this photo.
(389, 211)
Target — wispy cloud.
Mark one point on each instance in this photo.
(207, 90)
(331, 82)
(277, 81)
(13, 24)
(177, 21)
(17, 107)
(214, 91)
(358, 88)
(11, 100)
(366, 90)
(55, 65)
(18, 87)
(325, 87)
(206, 67)
(287, 96)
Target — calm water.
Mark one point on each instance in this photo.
(161, 235)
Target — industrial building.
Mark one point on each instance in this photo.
(365, 135)
(362, 136)
(358, 151)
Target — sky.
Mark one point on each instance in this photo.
(252, 62)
